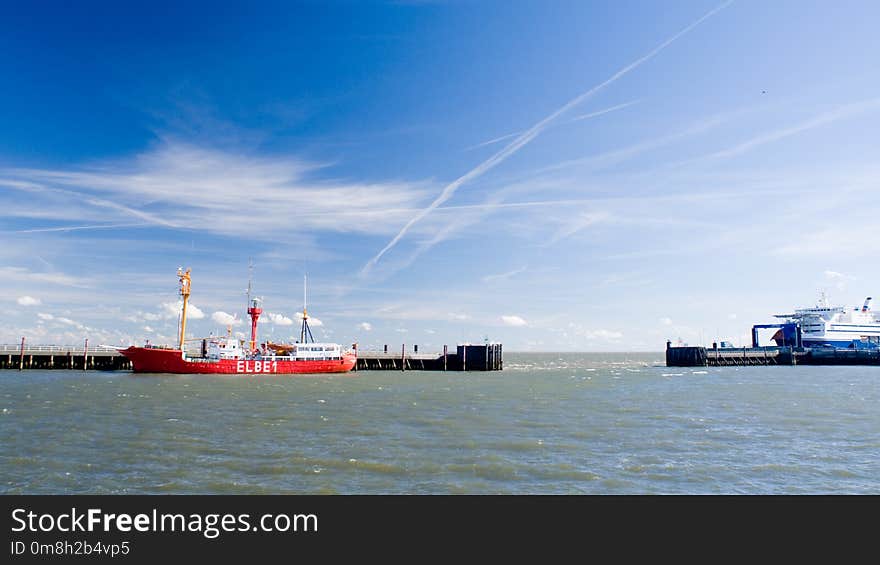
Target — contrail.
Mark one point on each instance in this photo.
(74, 228)
(820, 120)
(529, 135)
(605, 111)
(574, 119)
(496, 140)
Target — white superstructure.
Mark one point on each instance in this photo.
(836, 326)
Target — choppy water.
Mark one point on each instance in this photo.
(547, 424)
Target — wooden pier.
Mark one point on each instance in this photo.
(80, 357)
(744, 356)
(466, 357)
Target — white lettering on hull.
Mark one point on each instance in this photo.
(256, 367)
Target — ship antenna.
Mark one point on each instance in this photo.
(305, 331)
(250, 279)
(185, 281)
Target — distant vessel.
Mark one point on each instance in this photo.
(835, 326)
(228, 355)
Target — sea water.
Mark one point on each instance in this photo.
(549, 423)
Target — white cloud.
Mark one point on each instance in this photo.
(172, 310)
(366, 326)
(44, 316)
(514, 321)
(313, 322)
(666, 321)
(69, 322)
(279, 319)
(225, 319)
(28, 301)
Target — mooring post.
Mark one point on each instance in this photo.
(464, 358)
(403, 357)
(444, 357)
(86, 355)
(21, 355)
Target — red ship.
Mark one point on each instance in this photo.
(228, 355)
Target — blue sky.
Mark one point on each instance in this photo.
(556, 176)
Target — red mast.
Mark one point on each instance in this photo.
(253, 310)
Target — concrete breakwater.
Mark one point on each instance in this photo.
(465, 357)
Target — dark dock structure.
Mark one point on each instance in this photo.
(466, 357)
(783, 355)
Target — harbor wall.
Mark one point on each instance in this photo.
(699, 356)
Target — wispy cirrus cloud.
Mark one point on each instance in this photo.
(523, 139)
(179, 185)
(21, 274)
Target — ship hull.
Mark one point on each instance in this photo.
(155, 360)
(842, 335)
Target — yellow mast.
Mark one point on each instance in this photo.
(184, 292)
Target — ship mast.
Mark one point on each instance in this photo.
(253, 310)
(185, 281)
(305, 331)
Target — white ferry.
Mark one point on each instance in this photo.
(837, 326)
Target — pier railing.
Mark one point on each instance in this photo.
(80, 349)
